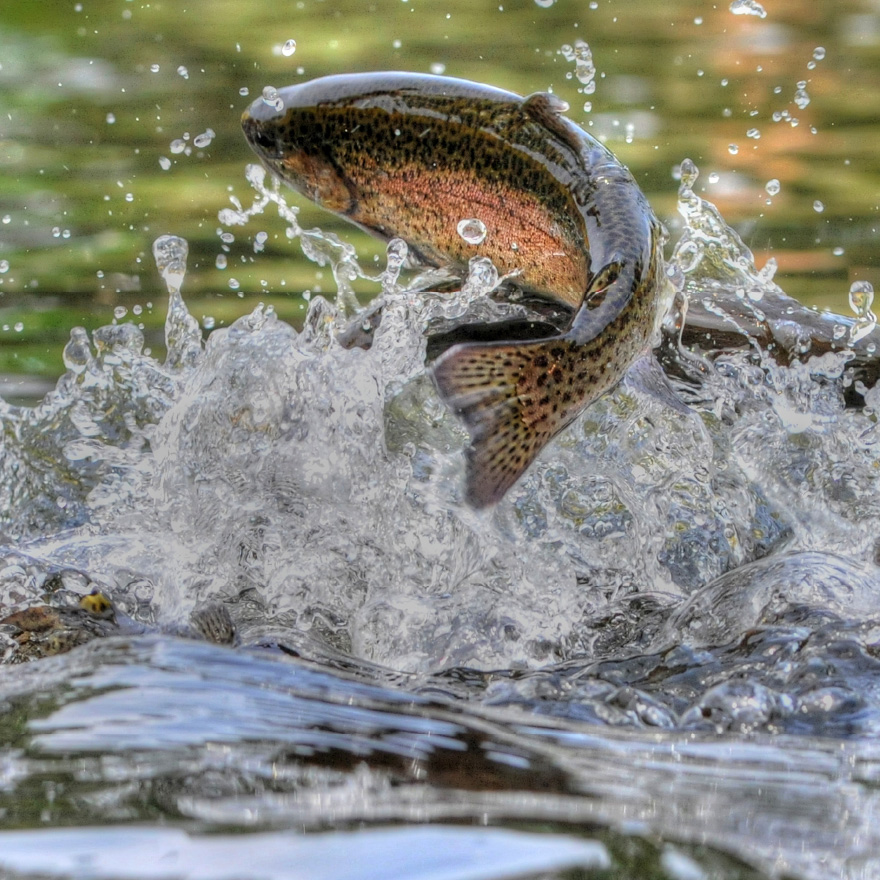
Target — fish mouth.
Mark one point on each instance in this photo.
(263, 140)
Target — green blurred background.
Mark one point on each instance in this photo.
(93, 93)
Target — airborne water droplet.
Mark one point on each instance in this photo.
(170, 253)
(772, 187)
(472, 230)
(748, 7)
(818, 206)
(288, 48)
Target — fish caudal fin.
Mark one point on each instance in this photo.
(513, 398)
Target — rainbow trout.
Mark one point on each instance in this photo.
(410, 156)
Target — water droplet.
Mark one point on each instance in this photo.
(260, 240)
(772, 187)
(18, 326)
(698, 20)
(753, 133)
(120, 312)
(819, 53)
(111, 118)
(4, 267)
(183, 72)
(838, 251)
(170, 252)
(861, 298)
(208, 322)
(438, 68)
(137, 310)
(233, 284)
(801, 98)
(748, 7)
(7, 218)
(472, 230)
(164, 163)
(178, 145)
(154, 68)
(221, 261)
(714, 177)
(818, 206)
(244, 91)
(204, 139)
(288, 48)
(733, 149)
(689, 173)
(544, 4)
(272, 98)
(129, 197)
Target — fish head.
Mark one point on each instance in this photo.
(290, 141)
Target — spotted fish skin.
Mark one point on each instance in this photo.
(409, 156)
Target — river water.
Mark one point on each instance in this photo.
(657, 657)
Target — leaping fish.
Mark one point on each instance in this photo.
(410, 156)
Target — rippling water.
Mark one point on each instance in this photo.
(657, 657)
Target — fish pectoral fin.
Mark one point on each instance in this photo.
(513, 399)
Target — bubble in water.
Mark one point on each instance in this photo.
(472, 230)
(205, 138)
(170, 253)
(772, 187)
(733, 149)
(748, 7)
(288, 48)
(818, 206)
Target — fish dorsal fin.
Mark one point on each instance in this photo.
(544, 106)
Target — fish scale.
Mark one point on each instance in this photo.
(408, 156)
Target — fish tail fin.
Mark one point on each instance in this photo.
(513, 398)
